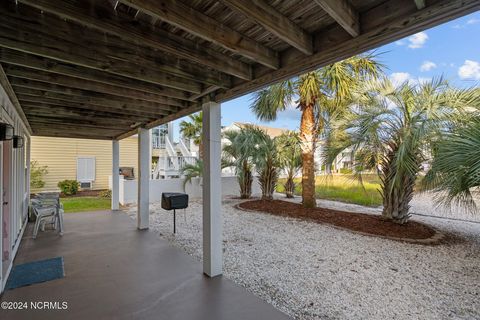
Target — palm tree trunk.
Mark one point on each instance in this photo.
(289, 187)
(268, 181)
(245, 180)
(396, 199)
(307, 139)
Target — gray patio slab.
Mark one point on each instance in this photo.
(114, 271)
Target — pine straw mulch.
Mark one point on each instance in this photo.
(366, 224)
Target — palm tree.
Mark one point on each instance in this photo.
(191, 171)
(290, 158)
(395, 127)
(255, 145)
(243, 165)
(311, 91)
(456, 165)
(193, 130)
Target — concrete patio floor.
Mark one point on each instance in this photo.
(113, 271)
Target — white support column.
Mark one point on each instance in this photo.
(143, 178)
(115, 174)
(212, 192)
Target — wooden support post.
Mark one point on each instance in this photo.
(115, 174)
(212, 192)
(143, 178)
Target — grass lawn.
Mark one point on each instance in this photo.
(79, 204)
(344, 188)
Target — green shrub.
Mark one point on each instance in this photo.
(37, 173)
(346, 171)
(68, 187)
(107, 194)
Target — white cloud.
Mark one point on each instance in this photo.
(427, 66)
(400, 43)
(466, 24)
(469, 70)
(417, 40)
(399, 78)
(473, 21)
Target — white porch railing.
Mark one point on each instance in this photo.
(169, 146)
(184, 149)
(171, 166)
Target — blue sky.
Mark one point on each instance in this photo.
(451, 49)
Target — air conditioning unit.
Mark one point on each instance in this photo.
(86, 185)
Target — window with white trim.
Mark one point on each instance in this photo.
(86, 169)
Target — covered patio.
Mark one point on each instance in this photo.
(115, 272)
(111, 69)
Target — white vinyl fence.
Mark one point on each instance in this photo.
(128, 188)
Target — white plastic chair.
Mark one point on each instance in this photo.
(47, 213)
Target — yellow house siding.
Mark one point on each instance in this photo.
(60, 156)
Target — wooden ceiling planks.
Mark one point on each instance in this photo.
(101, 68)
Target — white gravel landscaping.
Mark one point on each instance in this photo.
(313, 271)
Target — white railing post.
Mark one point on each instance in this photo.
(212, 193)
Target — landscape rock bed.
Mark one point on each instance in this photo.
(367, 224)
(314, 271)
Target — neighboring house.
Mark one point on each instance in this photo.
(88, 161)
(271, 131)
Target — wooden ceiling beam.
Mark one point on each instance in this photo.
(344, 13)
(390, 21)
(274, 21)
(97, 100)
(95, 14)
(101, 81)
(62, 84)
(103, 123)
(201, 25)
(45, 103)
(106, 48)
(32, 35)
(42, 109)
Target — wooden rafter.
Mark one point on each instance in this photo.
(107, 49)
(382, 24)
(101, 81)
(52, 110)
(344, 13)
(275, 22)
(93, 14)
(52, 104)
(22, 93)
(63, 84)
(15, 40)
(201, 25)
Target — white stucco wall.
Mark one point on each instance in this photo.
(128, 188)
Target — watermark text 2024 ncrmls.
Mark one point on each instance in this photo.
(34, 305)
(48, 305)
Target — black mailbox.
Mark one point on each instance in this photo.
(173, 201)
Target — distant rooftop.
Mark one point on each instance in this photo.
(272, 132)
